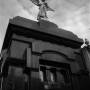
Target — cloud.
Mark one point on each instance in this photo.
(9, 7)
(12, 8)
(72, 15)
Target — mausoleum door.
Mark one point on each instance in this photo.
(55, 76)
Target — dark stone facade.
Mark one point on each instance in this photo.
(42, 57)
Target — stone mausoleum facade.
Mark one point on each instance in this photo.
(42, 57)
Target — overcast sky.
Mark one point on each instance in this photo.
(72, 15)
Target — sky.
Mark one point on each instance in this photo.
(71, 15)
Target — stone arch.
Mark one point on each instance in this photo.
(54, 56)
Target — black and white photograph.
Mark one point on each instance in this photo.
(44, 44)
